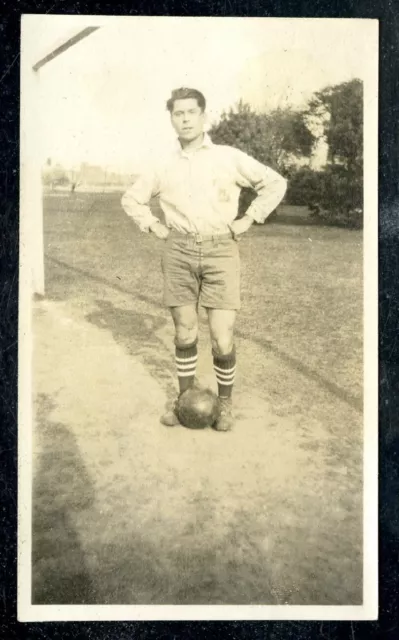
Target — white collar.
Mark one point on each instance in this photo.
(206, 144)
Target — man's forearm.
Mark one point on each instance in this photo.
(270, 194)
(140, 213)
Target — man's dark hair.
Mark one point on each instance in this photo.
(185, 93)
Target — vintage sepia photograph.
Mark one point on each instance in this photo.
(198, 318)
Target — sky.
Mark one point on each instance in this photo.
(103, 100)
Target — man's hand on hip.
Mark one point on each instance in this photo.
(242, 225)
(159, 230)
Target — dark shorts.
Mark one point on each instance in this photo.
(206, 272)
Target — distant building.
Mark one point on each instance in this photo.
(84, 177)
(92, 174)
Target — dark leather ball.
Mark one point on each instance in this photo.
(198, 408)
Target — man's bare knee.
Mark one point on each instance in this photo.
(185, 335)
(186, 325)
(221, 326)
(222, 345)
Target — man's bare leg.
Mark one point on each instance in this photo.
(221, 328)
(185, 319)
(186, 335)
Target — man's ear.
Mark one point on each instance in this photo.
(206, 121)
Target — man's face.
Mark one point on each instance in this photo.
(187, 119)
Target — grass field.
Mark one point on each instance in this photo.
(143, 515)
(302, 286)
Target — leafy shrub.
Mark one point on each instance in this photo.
(334, 196)
(304, 186)
(340, 198)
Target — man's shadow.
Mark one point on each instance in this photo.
(137, 334)
(61, 489)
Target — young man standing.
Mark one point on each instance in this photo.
(199, 186)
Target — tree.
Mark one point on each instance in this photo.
(275, 138)
(343, 129)
(339, 196)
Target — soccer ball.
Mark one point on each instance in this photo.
(198, 408)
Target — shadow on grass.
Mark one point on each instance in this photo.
(136, 332)
(61, 488)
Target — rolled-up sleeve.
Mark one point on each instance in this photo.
(269, 185)
(135, 201)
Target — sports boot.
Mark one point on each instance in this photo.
(169, 418)
(226, 419)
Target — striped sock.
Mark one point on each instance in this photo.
(225, 369)
(186, 363)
